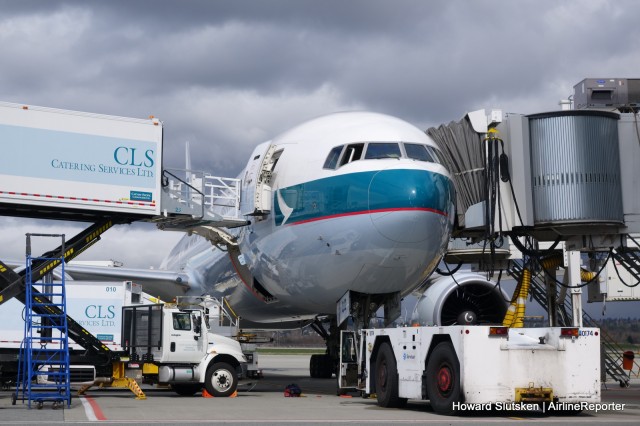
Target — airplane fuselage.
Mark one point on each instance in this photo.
(350, 201)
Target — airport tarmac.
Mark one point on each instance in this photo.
(264, 403)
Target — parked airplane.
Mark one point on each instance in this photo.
(354, 207)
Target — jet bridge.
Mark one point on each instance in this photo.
(546, 191)
(564, 180)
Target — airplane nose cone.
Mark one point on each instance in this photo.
(400, 205)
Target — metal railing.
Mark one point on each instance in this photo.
(611, 351)
(193, 192)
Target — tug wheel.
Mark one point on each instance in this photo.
(387, 379)
(443, 378)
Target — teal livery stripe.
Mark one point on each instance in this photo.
(363, 193)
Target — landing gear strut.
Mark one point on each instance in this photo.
(360, 308)
(323, 366)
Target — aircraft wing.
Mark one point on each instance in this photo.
(157, 282)
(160, 283)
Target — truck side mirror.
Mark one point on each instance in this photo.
(197, 327)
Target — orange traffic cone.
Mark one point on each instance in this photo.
(206, 394)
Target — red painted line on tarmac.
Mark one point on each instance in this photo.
(97, 411)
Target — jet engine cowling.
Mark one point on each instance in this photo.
(465, 298)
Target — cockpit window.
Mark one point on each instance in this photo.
(352, 153)
(332, 159)
(341, 155)
(418, 152)
(382, 150)
(436, 154)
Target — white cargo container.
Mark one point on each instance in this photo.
(68, 160)
(96, 306)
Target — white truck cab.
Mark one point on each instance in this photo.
(175, 338)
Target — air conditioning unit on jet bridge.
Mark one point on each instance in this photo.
(619, 93)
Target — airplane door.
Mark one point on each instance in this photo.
(256, 190)
(349, 361)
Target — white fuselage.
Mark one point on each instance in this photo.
(375, 220)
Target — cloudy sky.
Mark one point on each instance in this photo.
(227, 75)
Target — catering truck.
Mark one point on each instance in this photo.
(475, 367)
(155, 342)
(172, 344)
(72, 161)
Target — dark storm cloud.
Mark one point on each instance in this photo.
(425, 61)
(268, 45)
(226, 75)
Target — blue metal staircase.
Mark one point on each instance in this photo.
(43, 372)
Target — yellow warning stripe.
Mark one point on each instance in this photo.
(95, 234)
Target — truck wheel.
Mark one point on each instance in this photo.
(186, 389)
(221, 379)
(387, 379)
(443, 378)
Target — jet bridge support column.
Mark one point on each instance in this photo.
(572, 262)
(552, 306)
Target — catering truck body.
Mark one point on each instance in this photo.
(68, 160)
(464, 368)
(96, 306)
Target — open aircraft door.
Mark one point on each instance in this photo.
(256, 192)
